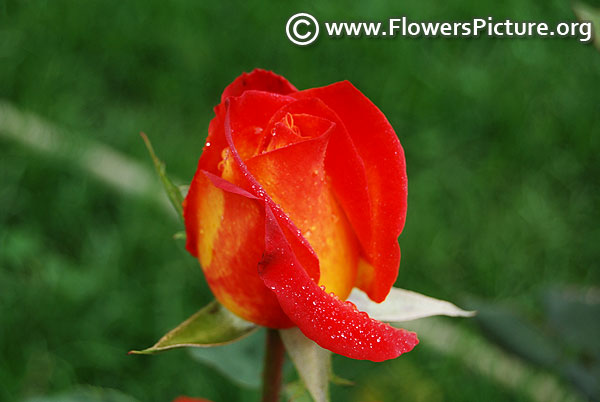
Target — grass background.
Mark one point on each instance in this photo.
(501, 138)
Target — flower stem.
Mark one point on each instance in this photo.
(274, 355)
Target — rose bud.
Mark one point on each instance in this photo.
(300, 196)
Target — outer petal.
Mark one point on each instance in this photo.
(252, 109)
(383, 157)
(331, 323)
(259, 80)
(298, 170)
(225, 228)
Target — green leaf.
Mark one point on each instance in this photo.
(173, 192)
(312, 362)
(212, 326)
(405, 305)
(585, 12)
(85, 393)
(241, 361)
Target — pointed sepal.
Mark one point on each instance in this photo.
(312, 362)
(214, 325)
(405, 305)
(174, 192)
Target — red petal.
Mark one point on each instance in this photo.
(237, 111)
(255, 110)
(281, 136)
(344, 166)
(383, 157)
(299, 169)
(292, 129)
(225, 230)
(259, 106)
(260, 80)
(306, 256)
(331, 323)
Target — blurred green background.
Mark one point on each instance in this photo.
(501, 136)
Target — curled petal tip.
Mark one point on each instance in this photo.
(330, 322)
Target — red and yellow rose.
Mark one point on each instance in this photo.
(300, 196)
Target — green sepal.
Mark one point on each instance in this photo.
(405, 305)
(312, 362)
(174, 193)
(214, 325)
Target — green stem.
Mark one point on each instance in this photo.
(274, 355)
